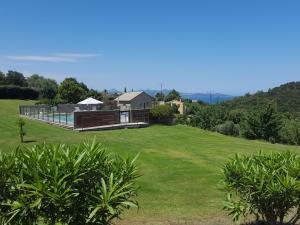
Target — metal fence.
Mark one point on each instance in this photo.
(47, 113)
(83, 118)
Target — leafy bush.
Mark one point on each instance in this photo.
(175, 108)
(63, 184)
(267, 186)
(181, 119)
(263, 124)
(15, 92)
(208, 117)
(162, 114)
(290, 132)
(236, 115)
(228, 128)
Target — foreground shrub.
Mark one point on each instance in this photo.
(228, 128)
(63, 184)
(162, 114)
(266, 186)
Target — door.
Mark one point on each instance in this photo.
(124, 117)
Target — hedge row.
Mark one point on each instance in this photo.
(15, 92)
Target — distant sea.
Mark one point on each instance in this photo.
(210, 98)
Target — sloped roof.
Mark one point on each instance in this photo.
(128, 96)
(90, 101)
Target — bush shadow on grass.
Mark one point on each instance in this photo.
(263, 223)
(29, 141)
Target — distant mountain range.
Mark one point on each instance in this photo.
(211, 98)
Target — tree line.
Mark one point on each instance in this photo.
(14, 85)
(287, 97)
(273, 116)
(263, 123)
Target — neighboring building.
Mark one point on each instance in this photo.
(134, 100)
(180, 105)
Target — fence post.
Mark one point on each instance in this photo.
(53, 115)
(59, 117)
(66, 118)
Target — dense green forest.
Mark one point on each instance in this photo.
(273, 116)
(286, 96)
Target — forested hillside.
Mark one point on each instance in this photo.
(287, 97)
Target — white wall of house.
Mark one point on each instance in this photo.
(142, 101)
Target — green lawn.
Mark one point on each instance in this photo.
(180, 165)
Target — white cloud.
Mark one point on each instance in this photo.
(60, 57)
(78, 55)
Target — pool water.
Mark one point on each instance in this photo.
(62, 118)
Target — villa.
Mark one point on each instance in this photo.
(134, 100)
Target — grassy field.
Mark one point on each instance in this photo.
(180, 165)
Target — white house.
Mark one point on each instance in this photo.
(134, 100)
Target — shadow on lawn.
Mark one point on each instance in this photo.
(29, 141)
(262, 223)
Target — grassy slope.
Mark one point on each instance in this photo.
(180, 165)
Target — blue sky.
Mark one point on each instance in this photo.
(232, 47)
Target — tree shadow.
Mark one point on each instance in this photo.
(262, 223)
(29, 141)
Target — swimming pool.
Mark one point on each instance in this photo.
(64, 118)
(61, 118)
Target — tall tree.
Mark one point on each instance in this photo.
(70, 91)
(173, 95)
(159, 96)
(263, 124)
(15, 78)
(2, 78)
(95, 94)
(46, 87)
